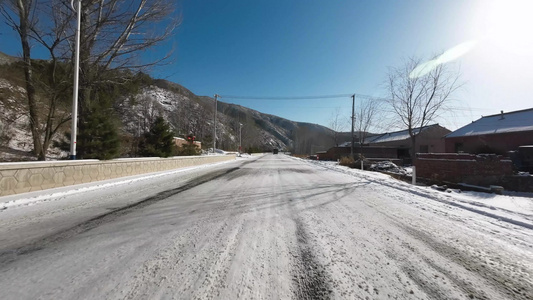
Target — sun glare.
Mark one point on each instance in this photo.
(508, 23)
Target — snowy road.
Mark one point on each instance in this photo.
(271, 227)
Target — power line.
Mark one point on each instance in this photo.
(318, 97)
(371, 97)
(470, 109)
(285, 98)
(235, 97)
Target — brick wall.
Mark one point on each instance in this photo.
(483, 170)
(368, 151)
(25, 177)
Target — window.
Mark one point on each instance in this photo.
(459, 147)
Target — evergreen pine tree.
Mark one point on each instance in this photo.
(159, 141)
(98, 137)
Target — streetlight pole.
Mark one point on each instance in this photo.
(215, 125)
(353, 119)
(76, 81)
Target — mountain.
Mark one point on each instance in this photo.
(7, 59)
(186, 112)
(192, 114)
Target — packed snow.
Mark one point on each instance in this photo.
(511, 206)
(268, 227)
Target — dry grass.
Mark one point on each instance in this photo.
(346, 161)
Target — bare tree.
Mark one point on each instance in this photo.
(19, 14)
(365, 116)
(419, 93)
(148, 110)
(44, 80)
(337, 123)
(113, 34)
(186, 117)
(5, 134)
(53, 78)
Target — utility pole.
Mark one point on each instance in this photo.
(76, 79)
(240, 138)
(353, 120)
(215, 125)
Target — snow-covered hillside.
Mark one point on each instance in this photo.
(186, 112)
(15, 138)
(191, 114)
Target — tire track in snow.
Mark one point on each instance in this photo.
(417, 267)
(515, 288)
(196, 264)
(311, 279)
(402, 186)
(8, 256)
(487, 281)
(424, 194)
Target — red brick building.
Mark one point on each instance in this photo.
(429, 139)
(493, 134)
(394, 145)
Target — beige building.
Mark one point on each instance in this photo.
(429, 139)
(181, 141)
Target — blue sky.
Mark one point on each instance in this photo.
(306, 48)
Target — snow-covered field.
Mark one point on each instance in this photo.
(270, 227)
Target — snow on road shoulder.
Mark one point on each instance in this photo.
(32, 198)
(514, 208)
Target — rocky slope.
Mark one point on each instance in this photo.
(192, 114)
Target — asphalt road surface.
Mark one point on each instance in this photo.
(271, 227)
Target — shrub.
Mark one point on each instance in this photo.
(159, 141)
(347, 162)
(188, 150)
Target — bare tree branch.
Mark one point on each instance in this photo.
(337, 123)
(418, 100)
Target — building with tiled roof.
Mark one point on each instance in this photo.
(497, 133)
(429, 139)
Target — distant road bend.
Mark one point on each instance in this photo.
(272, 227)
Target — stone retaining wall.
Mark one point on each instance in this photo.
(25, 177)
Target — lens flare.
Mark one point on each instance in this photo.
(446, 57)
(423, 69)
(456, 52)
